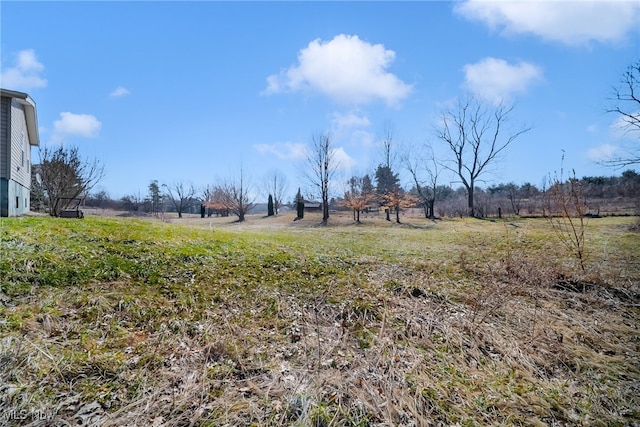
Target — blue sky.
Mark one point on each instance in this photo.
(193, 91)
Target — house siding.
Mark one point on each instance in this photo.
(20, 149)
(15, 158)
(5, 125)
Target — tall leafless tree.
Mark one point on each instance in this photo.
(181, 196)
(475, 132)
(276, 184)
(424, 170)
(322, 167)
(387, 146)
(65, 176)
(626, 104)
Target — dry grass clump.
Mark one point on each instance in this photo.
(459, 323)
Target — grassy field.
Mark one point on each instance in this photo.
(133, 322)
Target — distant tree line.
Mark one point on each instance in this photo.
(366, 195)
(601, 194)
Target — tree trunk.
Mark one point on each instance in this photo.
(472, 212)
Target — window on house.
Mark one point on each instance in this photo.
(17, 202)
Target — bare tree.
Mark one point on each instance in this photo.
(626, 104)
(276, 185)
(236, 198)
(181, 196)
(566, 208)
(386, 146)
(130, 202)
(100, 198)
(215, 199)
(475, 134)
(321, 169)
(425, 172)
(515, 197)
(65, 176)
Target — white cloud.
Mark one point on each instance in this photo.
(73, 125)
(349, 120)
(284, 150)
(362, 138)
(346, 69)
(119, 92)
(300, 151)
(25, 74)
(603, 152)
(351, 128)
(568, 22)
(342, 160)
(495, 79)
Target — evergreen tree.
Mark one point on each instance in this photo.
(155, 197)
(299, 205)
(270, 206)
(390, 193)
(387, 183)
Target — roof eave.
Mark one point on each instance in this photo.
(32, 121)
(30, 113)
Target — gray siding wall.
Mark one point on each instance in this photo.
(18, 199)
(5, 124)
(15, 159)
(20, 148)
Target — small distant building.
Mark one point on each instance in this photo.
(312, 206)
(18, 133)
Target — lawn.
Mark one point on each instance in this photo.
(122, 321)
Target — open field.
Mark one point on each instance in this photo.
(138, 322)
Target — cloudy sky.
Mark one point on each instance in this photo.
(193, 91)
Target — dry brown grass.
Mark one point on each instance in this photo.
(273, 322)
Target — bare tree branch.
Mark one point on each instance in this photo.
(426, 186)
(626, 104)
(474, 133)
(65, 175)
(181, 196)
(235, 197)
(276, 184)
(321, 169)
